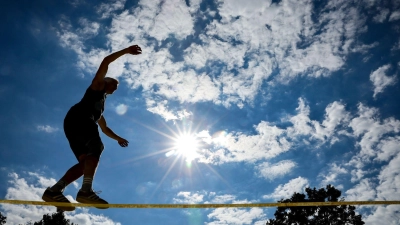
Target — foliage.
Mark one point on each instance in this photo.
(57, 218)
(319, 215)
(3, 219)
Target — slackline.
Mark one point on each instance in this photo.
(175, 206)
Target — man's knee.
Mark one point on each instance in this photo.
(95, 147)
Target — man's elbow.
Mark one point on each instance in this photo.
(106, 61)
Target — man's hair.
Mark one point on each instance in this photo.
(110, 79)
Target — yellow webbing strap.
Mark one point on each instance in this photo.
(175, 206)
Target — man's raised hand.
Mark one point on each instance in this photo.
(135, 50)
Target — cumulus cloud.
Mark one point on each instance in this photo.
(106, 9)
(47, 128)
(237, 216)
(223, 215)
(380, 80)
(387, 189)
(394, 16)
(371, 130)
(188, 198)
(384, 215)
(161, 109)
(219, 199)
(381, 16)
(286, 191)
(236, 147)
(335, 116)
(334, 172)
(121, 109)
(389, 185)
(30, 186)
(88, 28)
(375, 138)
(271, 171)
(363, 191)
(269, 141)
(284, 38)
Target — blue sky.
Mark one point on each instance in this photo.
(266, 98)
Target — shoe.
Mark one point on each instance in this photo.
(57, 196)
(91, 197)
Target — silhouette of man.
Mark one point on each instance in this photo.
(81, 129)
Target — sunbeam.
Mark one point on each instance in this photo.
(184, 145)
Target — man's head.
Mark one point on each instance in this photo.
(111, 84)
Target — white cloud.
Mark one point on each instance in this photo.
(388, 148)
(286, 191)
(388, 215)
(335, 118)
(388, 189)
(381, 16)
(283, 37)
(271, 141)
(47, 128)
(185, 197)
(237, 216)
(89, 29)
(236, 147)
(75, 39)
(219, 199)
(121, 109)
(279, 169)
(363, 191)
(301, 122)
(76, 3)
(376, 139)
(371, 130)
(332, 176)
(394, 16)
(173, 19)
(389, 180)
(396, 47)
(222, 215)
(31, 187)
(380, 80)
(161, 109)
(106, 9)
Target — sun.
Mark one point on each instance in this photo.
(186, 145)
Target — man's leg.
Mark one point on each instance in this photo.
(70, 176)
(87, 166)
(86, 193)
(90, 167)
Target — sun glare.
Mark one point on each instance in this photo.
(186, 145)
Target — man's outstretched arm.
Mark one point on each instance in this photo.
(110, 133)
(98, 80)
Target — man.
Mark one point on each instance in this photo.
(81, 129)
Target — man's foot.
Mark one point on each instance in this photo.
(57, 196)
(91, 197)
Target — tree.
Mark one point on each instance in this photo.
(3, 219)
(57, 218)
(318, 215)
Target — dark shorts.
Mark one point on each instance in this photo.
(83, 136)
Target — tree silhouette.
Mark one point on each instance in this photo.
(57, 218)
(318, 215)
(3, 219)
